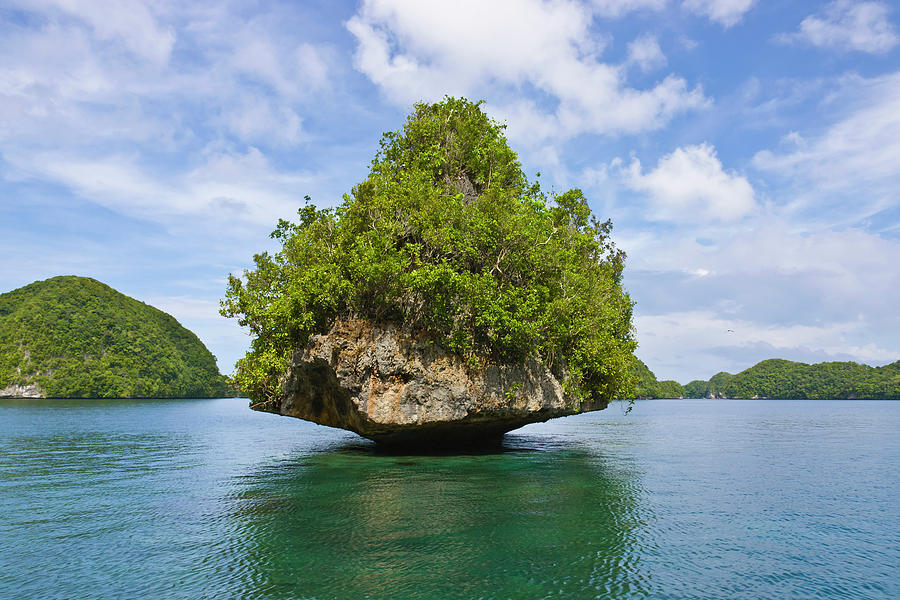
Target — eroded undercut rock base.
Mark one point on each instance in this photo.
(403, 389)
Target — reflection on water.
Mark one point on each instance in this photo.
(528, 522)
(188, 499)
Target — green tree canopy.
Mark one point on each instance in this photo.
(446, 236)
(778, 378)
(647, 386)
(76, 337)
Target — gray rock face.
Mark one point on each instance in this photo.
(22, 391)
(398, 388)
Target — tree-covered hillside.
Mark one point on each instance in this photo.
(776, 378)
(77, 337)
(705, 389)
(648, 386)
(447, 237)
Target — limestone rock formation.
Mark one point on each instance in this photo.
(395, 387)
(21, 391)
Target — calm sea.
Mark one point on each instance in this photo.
(679, 499)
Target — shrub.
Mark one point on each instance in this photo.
(446, 236)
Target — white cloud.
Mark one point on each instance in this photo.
(724, 12)
(130, 23)
(819, 295)
(186, 307)
(226, 187)
(617, 8)
(415, 51)
(260, 120)
(93, 73)
(697, 344)
(842, 262)
(95, 98)
(256, 57)
(690, 184)
(687, 43)
(856, 159)
(848, 25)
(645, 53)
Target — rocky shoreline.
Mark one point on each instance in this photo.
(22, 391)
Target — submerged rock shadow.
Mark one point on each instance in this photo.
(530, 518)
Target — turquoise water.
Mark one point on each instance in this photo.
(679, 499)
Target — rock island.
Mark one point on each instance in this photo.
(448, 299)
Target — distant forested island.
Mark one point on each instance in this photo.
(648, 386)
(75, 337)
(777, 378)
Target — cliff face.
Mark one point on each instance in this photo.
(391, 386)
(21, 391)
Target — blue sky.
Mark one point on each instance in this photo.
(748, 152)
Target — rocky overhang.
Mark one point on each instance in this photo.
(401, 388)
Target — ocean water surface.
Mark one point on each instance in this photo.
(678, 499)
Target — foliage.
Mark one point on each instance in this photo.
(76, 337)
(448, 237)
(695, 389)
(708, 389)
(668, 388)
(776, 378)
(647, 386)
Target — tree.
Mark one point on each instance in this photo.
(647, 386)
(448, 237)
(777, 378)
(77, 337)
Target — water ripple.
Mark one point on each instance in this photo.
(204, 499)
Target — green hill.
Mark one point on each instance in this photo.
(78, 338)
(706, 389)
(777, 378)
(648, 386)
